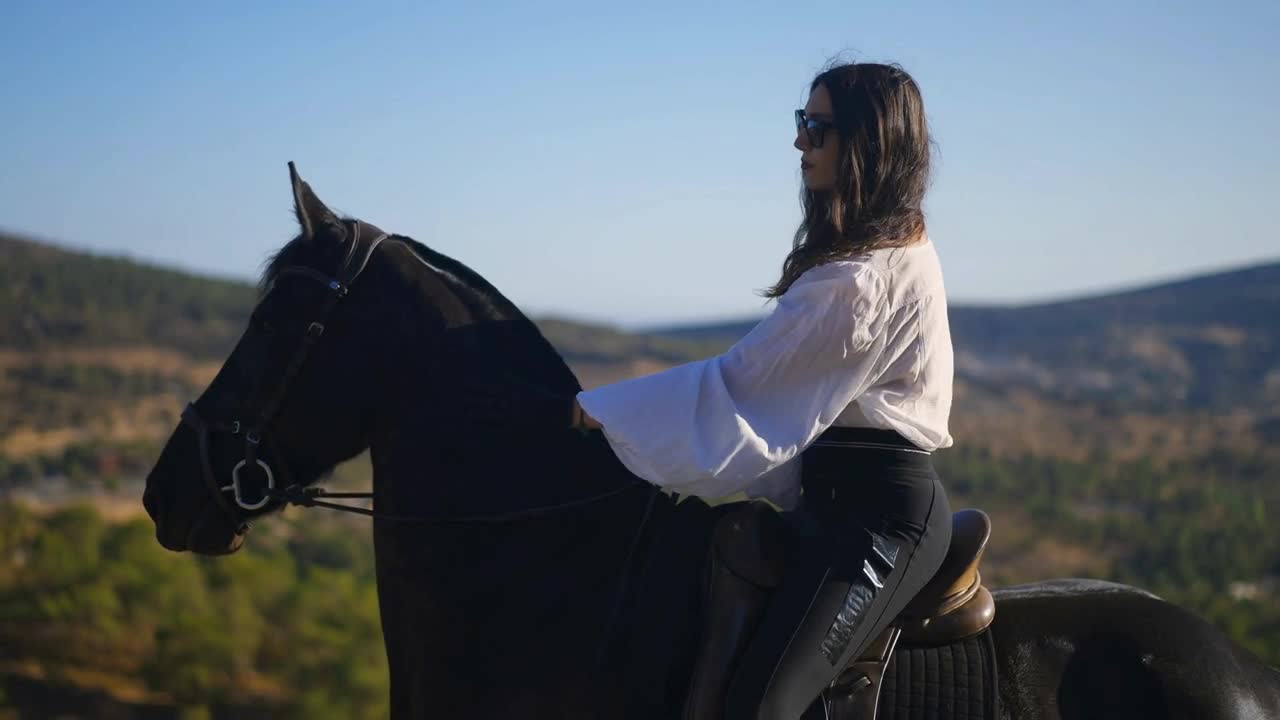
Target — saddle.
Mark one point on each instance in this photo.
(745, 563)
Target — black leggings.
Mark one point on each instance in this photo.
(869, 517)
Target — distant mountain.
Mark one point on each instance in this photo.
(98, 351)
(1208, 343)
(1132, 436)
(55, 297)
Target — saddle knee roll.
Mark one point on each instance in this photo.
(744, 565)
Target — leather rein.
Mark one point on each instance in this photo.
(256, 432)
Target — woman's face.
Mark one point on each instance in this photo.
(818, 164)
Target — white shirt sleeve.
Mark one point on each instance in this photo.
(733, 423)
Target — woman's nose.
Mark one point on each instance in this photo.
(802, 142)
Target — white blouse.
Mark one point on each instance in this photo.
(862, 342)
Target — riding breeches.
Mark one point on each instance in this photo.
(872, 529)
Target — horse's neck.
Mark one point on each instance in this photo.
(492, 619)
(489, 613)
(481, 333)
(518, 611)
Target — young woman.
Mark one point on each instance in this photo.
(831, 405)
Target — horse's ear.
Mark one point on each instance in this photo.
(315, 218)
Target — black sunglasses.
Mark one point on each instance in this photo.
(815, 129)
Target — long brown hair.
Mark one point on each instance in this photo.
(881, 176)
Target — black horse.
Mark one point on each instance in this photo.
(530, 575)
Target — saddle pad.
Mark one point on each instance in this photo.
(948, 682)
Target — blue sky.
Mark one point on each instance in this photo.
(634, 165)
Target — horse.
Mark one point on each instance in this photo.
(529, 574)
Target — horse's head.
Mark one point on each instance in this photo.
(297, 395)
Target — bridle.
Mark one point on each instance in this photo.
(256, 432)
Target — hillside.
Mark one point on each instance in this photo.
(1131, 437)
(101, 350)
(1170, 370)
(98, 355)
(57, 298)
(1209, 342)
(1205, 343)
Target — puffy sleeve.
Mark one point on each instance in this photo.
(734, 422)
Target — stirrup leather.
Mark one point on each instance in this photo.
(855, 693)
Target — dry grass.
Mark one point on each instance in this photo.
(1017, 422)
(1021, 552)
(123, 359)
(1225, 335)
(133, 418)
(147, 418)
(25, 442)
(1024, 423)
(1155, 349)
(126, 359)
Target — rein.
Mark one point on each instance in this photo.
(309, 497)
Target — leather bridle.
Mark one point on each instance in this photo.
(256, 431)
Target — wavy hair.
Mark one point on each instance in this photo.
(881, 175)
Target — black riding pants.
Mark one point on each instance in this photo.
(872, 529)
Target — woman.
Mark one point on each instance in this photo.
(830, 406)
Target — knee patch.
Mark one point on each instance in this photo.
(877, 563)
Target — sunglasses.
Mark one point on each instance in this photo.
(816, 130)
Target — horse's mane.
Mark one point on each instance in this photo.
(539, 352)
(540, 349)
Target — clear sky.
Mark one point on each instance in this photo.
(634, 165)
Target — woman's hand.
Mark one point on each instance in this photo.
(581, 420)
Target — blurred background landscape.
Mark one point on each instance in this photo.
(1130, 436)
(1103, 197)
